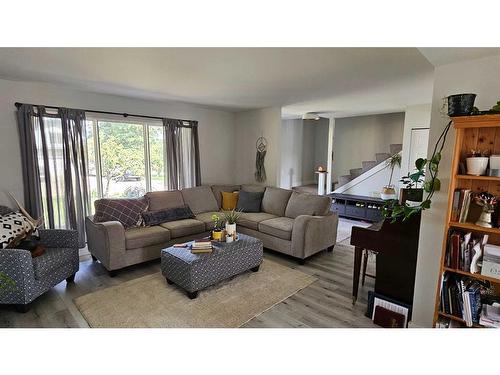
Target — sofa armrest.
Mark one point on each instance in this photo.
(106, 241)
(59, 238)
(17, 265)
(311, 234)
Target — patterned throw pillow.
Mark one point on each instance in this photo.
(229, 200)
(127, 211)
(13, 226)
(170, 214)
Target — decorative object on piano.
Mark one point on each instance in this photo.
(496, 108)
(488, 202)
(231, 217)
(260, 169)
(461, 104)
(477, 162)
(394, 209)
(389, 191)
(218, 231)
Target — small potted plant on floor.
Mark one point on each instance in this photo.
(218, 231)
(389, 191)
(231, 217)
(477, 162)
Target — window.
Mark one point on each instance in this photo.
(125, 158)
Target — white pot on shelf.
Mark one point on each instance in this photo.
(476, 166)
(230, 229)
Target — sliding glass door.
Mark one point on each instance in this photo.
(126, 159)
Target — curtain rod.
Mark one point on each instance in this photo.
(17, 104)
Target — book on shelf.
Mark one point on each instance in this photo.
(461, 248)
(461, 297)
(464, 208)
(491, 261)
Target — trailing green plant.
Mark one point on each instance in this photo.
(395, 210)
(392, 162)
(6, 283)
(231, 217)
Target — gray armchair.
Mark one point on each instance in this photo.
(35, 276)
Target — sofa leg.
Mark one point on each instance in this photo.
(71, 279)
(23, 308)
(301, 261)
(192, 295)
(94, 259)
(112, 273)
(329, 249)
(256, 268)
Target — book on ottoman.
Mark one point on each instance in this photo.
(201, 246)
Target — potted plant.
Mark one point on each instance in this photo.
(231, 217)
(389, 191)
(412, 193)
(477, 162)
(218, 231)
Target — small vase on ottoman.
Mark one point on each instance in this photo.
(231, 217)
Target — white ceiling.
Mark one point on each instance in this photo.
(345, 81)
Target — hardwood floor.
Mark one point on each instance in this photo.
(325, 303)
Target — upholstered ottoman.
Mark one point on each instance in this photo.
(194, 272)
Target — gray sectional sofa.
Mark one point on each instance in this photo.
(292, 223)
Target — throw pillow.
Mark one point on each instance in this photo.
(127, 211)
(170, 214)
(229, 200)
(249, 201)
(13, 227)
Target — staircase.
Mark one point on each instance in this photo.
(369, 164)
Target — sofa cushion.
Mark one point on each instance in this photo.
(218, 189)
(200, 199)
(186, 227)
(145, 236)
(206, 217)
(280, 227)
(52, 260)
(152, 218)
(251, 220)
(249, 201)
(275, 200)
(161, 200)
(127, 211)
(229, 200)
(307, 204)
(253, 188)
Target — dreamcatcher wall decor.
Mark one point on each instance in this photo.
(260, 170)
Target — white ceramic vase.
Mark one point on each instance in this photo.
(230, 229)
(477, 166)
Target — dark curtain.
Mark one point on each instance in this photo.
(55, 166)
(182, 153)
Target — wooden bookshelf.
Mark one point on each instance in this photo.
(472, 133)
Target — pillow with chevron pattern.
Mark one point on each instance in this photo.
(13, 227)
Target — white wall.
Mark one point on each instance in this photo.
(476, 76)
(216, 128)
(304, 148)
(417, 116)
(358, 139)
(249, 126)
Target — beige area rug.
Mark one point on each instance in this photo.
(149, 302)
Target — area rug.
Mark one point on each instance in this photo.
(149, 302)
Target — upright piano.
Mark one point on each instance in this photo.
(396, 246)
